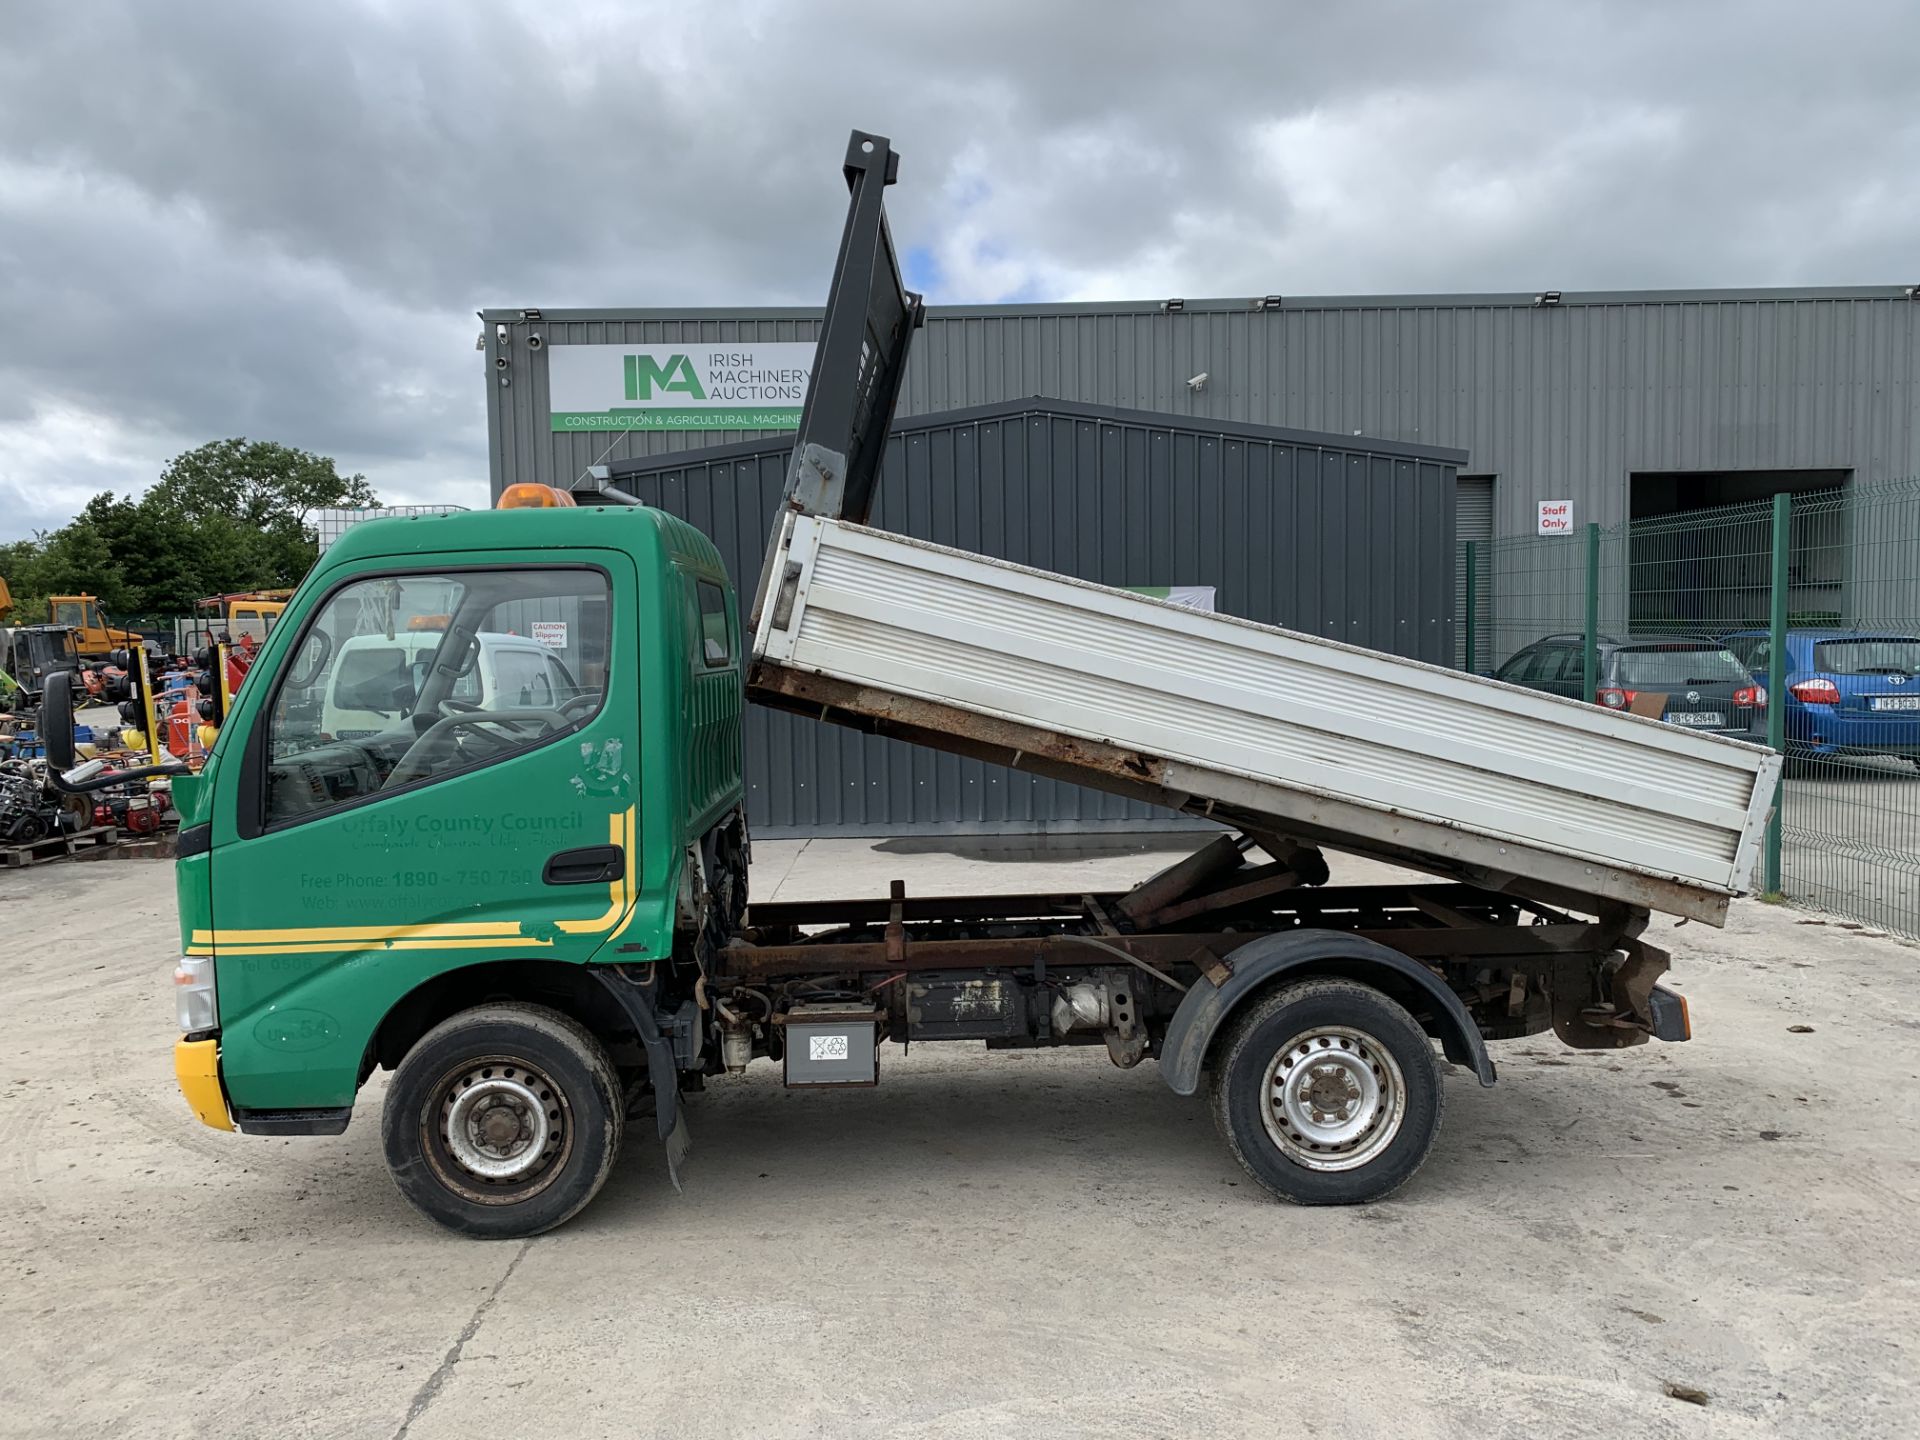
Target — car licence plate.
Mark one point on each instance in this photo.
(1703, 719)
(1893, 702)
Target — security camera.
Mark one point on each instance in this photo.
(499, 362)
(1198, 382)
(534, 342)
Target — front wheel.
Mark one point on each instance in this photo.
(1327, 1092)
(503, 1121)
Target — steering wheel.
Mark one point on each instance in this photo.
(587, 704)
(418, 761)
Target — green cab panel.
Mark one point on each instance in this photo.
(472, 738)
(193, 873)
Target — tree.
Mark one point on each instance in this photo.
(259, 496)
(257, 483)
(77, 559)
(230, 515)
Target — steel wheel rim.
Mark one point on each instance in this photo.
(498, 1130)
(1333, 1098)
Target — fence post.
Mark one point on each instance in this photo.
(1590, 660)
(1777, 674)
(1473, 606)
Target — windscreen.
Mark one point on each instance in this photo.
(357, 667)
(1675, 665)
(1868, 656)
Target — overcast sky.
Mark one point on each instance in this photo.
(278, 220)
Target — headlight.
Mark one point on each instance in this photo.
(194, 993)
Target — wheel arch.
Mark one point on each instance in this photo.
(1307, 954)
(569, 988)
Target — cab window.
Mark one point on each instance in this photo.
(715, 644)
(67, 612)
(392, 682)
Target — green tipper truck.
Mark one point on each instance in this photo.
(527, 898)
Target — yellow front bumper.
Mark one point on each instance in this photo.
(196, 1063)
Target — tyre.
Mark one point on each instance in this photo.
(503, 1121)
(1327, 1092)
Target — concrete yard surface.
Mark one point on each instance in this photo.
(987, 1244)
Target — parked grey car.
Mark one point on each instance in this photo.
(1690, 680)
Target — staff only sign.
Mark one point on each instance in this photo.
(743, 386)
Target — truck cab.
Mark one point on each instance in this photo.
(96, 639)
(345, 889)
(29, 654)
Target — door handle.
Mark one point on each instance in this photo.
(590, 865)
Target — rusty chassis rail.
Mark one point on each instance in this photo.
(1510, 946)
(1320, 902)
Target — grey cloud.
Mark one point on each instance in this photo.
(277, 220)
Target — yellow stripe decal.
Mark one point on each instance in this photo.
(633, 906)
(347, 947)
(503, 928)
(447, 935)
(619, 832)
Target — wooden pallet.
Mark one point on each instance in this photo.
(58, 847)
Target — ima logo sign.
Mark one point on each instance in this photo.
(645, 375)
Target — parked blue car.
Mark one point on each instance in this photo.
(1849, 692)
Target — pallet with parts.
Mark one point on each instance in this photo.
(58, 847)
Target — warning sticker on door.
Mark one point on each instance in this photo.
(826, 1047)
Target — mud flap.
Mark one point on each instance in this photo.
(662, 1073)
(679, 1144)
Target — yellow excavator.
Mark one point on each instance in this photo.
(95, 639)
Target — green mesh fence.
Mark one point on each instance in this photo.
(1831, 579)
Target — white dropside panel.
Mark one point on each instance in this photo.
(1227, 696)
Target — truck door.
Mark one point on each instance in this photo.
(466, 828)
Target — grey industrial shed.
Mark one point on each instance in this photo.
(1626, 403)
(1336, 535)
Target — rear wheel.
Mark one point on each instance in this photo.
(1327, 1092)
(503, 1121)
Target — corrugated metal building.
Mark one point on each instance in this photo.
(1625, 403)
(1350, 539)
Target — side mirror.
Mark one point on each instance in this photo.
(56, 730)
